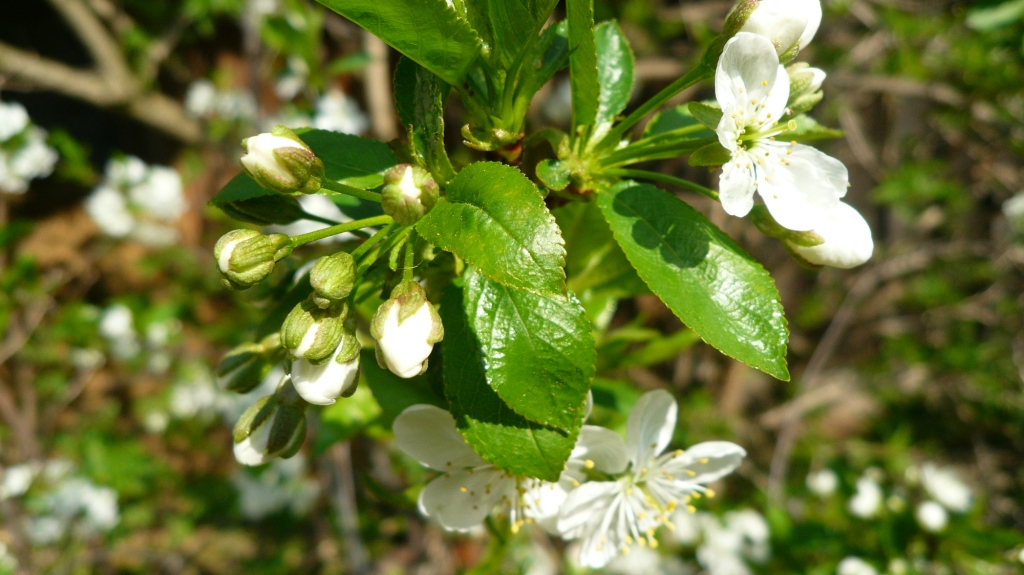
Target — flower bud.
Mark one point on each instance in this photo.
(244, 367)
(333, 278)
(313, 333)
(246, 257)
(406, 328)
(804, 87)
(789, 24)
(409, 193)
(274, 426)
(281, 162)
(337, 377)
(846, 240)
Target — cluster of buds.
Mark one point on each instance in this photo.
(244, 367)
(804, 87)
(274, 426)
(332, 278)
(842, 240)
(409, 193)
(312, 333)
(281, 162)
(406, 327)
(246, 257)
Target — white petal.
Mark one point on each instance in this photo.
(542, 502)
(785, 22)
(404, 345)
(736, 187)
(651, 424)
(704, 462)
(585, 505)
(774, 105)
(323, 384)
(813, 11)
(747, 70)
(428, 434)
(253, 449)
(798, 188)
(847, 238)
(605, 448)
(461, 500)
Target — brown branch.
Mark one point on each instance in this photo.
(105, 50)
(378, 88)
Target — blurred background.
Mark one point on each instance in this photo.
(897, 448)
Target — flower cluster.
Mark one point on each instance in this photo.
(614, 494)
(801, 187)
(138, 201)
(24, 154)
(725, 545)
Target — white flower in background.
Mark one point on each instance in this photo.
(13, 120)
(847, 236)
(867, 501)
(823, 483)
(78, 506)
(294, 79)
(946, 488)
(201, 98)
(323, 207)
(336, 111)
(799, 184)
(196, 396)
(932, 516)
(558, 106)
(724, 545)
(787, 24)
(205, 100)
(16, 480)
(117, 326)
(611, 516)
(1013, 209)
(138, 201)
(156, 421)
(855, 566)
(284, 484)
(645, 561)
(1020, 556)
(31, 159)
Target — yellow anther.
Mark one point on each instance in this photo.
(589, 464)
(680, 452)
(709, 493)
(691, 508)
(688, 471)
(704, 460)
(764, 82)
(629, 540)
(463, 489)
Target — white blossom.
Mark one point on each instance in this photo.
(946, 488)
(33, 158)
(201, 98)
(77, 505)
(138, 201)
(323, 384)
(117, 326)
(855, 566)
(787, 24)
(798, 183)
(1013, 209)
(847, 238)
(932, 516)
(284, 484)
(406, 345)
(867, 501)
(611, 516)
(336, 111)
(13, 120)
(823, 483)
(16, 480)
(109, 209)
(160, 195)
(646, 561)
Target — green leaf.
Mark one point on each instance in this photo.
(553, 174)
(494, 430)
(808, 130)
(594, 262)
(246, 201)
(674, 119)
(703, 276)
(552, 53)
(712, 154)
(615, 76)
(351, 160)
(427, 31)
(510, 24)
(420, 98)
(582, 61)
(392, 393)
(495, 219)
(538, 351)
(710, 116)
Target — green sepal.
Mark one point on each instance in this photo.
(253, 417)
(302, 318)
(709, 116)
(712, 154)
(287, 430)
(553, 174)
(333, 277)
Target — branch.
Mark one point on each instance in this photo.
(105, 50)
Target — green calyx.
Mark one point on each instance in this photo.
(281, 162)
(246, 257)
(333, 278)
(409, 193)
(313, 333)
(244, 367)
(769, 227)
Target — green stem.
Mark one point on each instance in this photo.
(340, 229)
(383, 248)
(372, 241)
(692, 77)
(686, 131)
(633, 154)
(644, 174)
(350, 191)
(315, 218)
(410, 261)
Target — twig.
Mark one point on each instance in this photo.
(340, 456)
(378, 88)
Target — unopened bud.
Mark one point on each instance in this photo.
(789, 24)
(337, 377)
(244, 367)
(406, 328)
(409, 193)
(275, 426)
(804, 87)
(313, 333)
(283, 163)
(845, 240)
(333, 278)
(246, 257)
